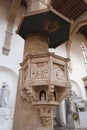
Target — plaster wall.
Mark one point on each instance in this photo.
(17, 43)
(9, 65)
(61, 50)
(77, 62)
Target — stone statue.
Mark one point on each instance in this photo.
(43, 96)
(4, 95)
(79, 102)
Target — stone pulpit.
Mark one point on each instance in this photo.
(43, 77)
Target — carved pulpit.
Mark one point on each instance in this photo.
(43, 77)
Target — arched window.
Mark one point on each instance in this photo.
(84, 51)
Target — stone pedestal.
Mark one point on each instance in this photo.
(43, 84)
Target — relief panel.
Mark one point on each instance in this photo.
(59, 72)
(39, 70)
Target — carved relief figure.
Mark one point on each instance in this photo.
(52, 96)
(59, 71)
(4, 95)
(39, 70)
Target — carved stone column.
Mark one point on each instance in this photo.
(43, 84)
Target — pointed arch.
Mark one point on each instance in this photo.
(78, 26)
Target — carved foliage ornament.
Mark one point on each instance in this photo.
(27, 95)
(59, 72)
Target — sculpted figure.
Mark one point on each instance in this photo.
(4, 95)
(43, 95)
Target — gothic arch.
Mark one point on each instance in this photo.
(74, 30)
(78, 26)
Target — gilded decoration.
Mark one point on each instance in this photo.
(45, 22)
(51, 26)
